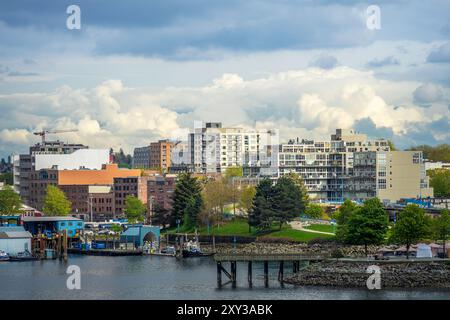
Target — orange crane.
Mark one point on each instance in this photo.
(44, 132)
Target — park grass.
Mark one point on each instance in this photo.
(321, 227)
(297, 235)
(239, 227)
(235, 227)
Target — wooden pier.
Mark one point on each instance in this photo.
(57, 246)
(106, 252)
(281, 259)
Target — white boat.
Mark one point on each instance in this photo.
(3, 256)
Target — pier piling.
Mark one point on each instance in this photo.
(249, 275)
(266, 274)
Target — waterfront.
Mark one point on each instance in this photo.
(152, 277)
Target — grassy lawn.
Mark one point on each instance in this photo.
(236, 227)
(321, 227)
(239, 227)
(297, 235)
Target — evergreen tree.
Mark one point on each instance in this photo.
(187, 200)
(161, 216)
(55, 202)
(261, 214)
(368, 224)
(287, 201)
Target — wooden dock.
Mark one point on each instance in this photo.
(106, 252)
(295, 259)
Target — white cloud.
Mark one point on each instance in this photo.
(308, 103)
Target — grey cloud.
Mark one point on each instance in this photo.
(368, 127)
(427, 93)
(440, 55)
(324, 62)
(378, 63)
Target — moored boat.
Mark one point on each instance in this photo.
(3, 256)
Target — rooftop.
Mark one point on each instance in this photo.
(49, 219)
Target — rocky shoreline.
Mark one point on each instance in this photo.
(283, 248)
(392, 275)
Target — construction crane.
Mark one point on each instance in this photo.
(44, 132)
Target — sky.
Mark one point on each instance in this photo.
(137, 71)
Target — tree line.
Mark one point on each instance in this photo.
(369, 225)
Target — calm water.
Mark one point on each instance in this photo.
(164, 278)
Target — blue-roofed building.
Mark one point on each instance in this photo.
(50, 225)
(139, 234)
(9, 220)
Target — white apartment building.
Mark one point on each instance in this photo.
(213, 149)
(325, 166)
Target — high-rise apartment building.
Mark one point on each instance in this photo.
(213, 149)
(326, 166)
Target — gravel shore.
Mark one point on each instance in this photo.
(392, 275)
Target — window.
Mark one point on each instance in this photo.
(382, 184)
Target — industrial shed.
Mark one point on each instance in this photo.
(14, 240)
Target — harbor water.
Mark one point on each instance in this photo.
(156, 277)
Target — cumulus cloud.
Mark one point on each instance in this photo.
(309, 103)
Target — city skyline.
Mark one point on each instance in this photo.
(135, 74)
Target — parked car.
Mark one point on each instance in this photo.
(88, 232)
(106, 232)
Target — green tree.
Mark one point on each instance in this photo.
(368, 224)
(261, 213)
(216, 194)
(161, 216)
(300, 184)
(7, 178)
(342, 215)
(441, 228)
(246, 199)
(187, 200)
(10, 202)
(287, 201)
(232, 172)
(134, 209)
(412, 225)
(391, 145)
(56, 202)
(314, 211)
(437, 153)
(440, 181)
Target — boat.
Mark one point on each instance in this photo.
(194, 253)
(4, 256)
(192, 249)
(23, 256)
